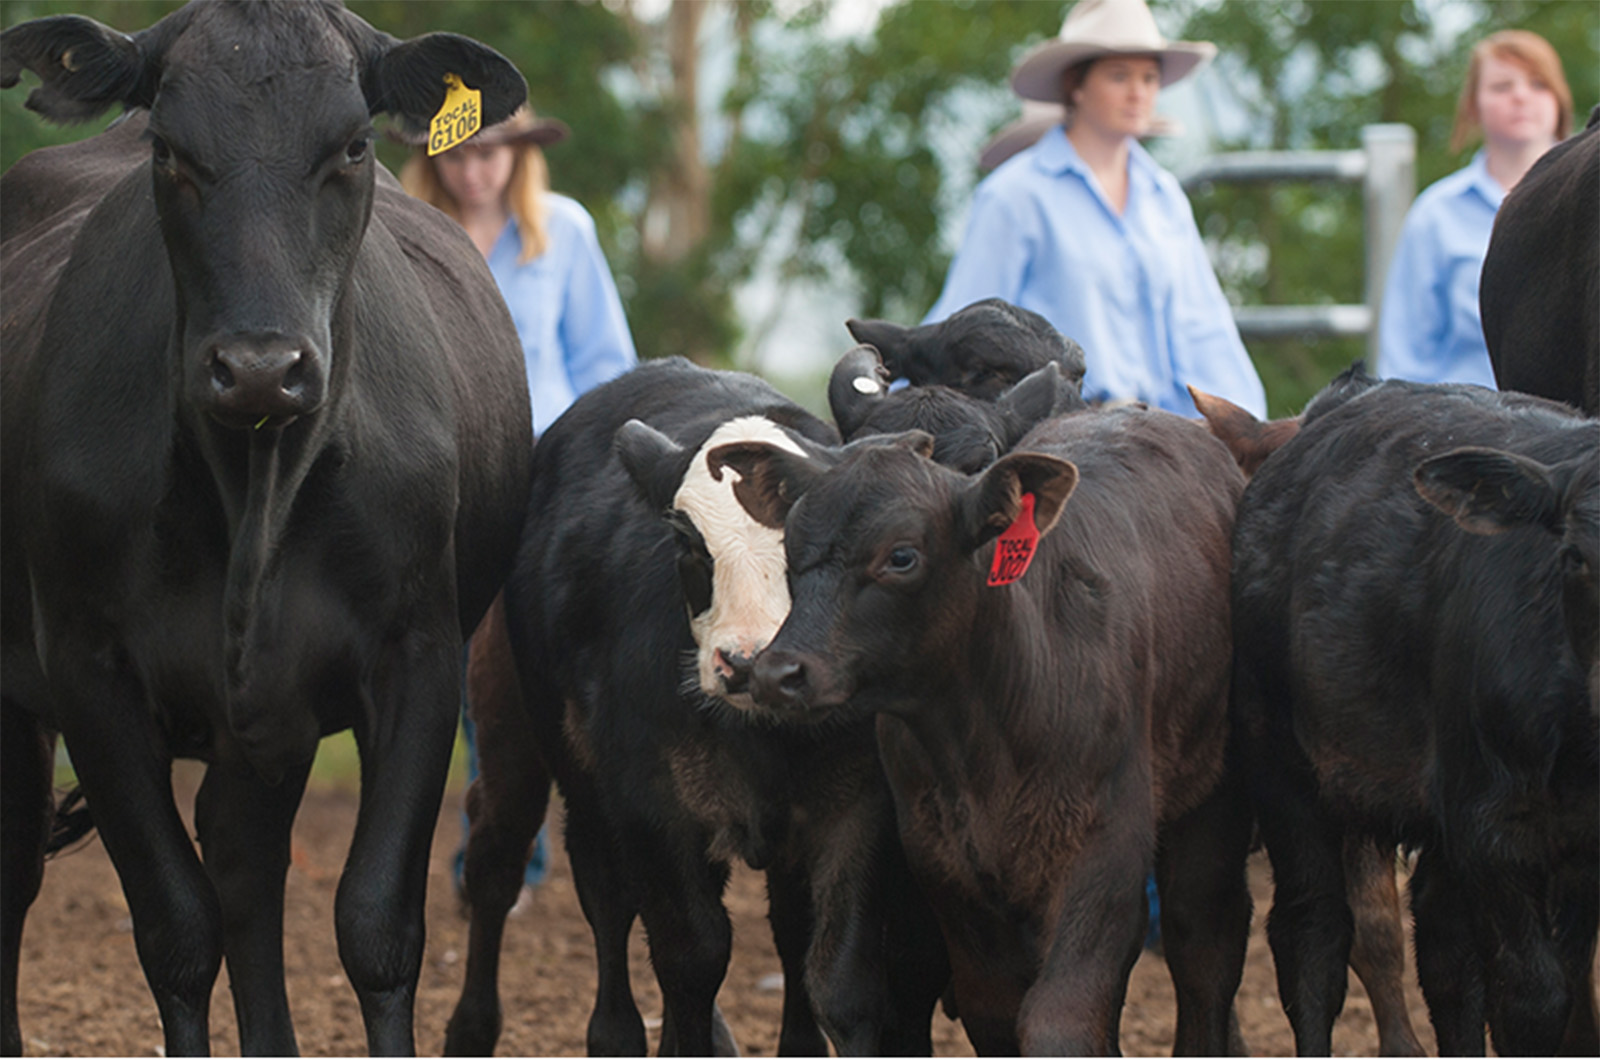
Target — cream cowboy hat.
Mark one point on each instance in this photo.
(1105, 27)
(1038, 119)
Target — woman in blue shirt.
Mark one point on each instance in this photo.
(1429, 329)
(546, 260)
(543, 252)
(1087, 230)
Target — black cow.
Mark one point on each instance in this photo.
(1048, 740)
(1540, 290)
(1400, 680)
(265, 455)
(1378, 945)
(969, 433)
(982, 349)
(640, 596)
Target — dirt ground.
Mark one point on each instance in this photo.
(82, 993)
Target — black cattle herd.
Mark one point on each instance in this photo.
(956, 675)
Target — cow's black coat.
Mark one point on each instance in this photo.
(1540, 290)
(1401, 678)
(266, 451)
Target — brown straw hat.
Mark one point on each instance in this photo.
(1105, 27)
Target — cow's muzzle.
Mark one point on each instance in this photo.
(796, 684)
(260, 379)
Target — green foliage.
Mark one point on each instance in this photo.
(831, 157)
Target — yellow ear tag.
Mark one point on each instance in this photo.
(458, 119)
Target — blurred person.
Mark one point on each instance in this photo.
(1086, 229)
(546, 259)
(1516, 96)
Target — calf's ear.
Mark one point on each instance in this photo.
(406, 79)
(992, 501)
(83, 66)
(1487, 491)
(1032, 399)
(892, 341)
(771, 479)
(858, 384)
(655, 462)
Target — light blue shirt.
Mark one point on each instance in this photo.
(1136, 290)
(565, 306)
(1429, 329)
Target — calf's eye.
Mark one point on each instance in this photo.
(357, 149)
(901, 560)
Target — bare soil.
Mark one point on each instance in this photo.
(83, 994)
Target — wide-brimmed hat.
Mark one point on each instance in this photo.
(523, 127)
(1105, 27)
(1039, 118)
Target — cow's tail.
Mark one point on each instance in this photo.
(72, 822)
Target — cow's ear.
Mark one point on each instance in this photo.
(407, 79)
(858, 384)
(655, 462)
(83, 66)
(771, 479)
(1487, 491)
(892, 341)
(1030, 400)
(992, 501)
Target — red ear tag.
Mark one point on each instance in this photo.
(1013, 549)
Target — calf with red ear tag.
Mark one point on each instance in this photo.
(1050, 701)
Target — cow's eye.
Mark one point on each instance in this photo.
(1572, 561)
(160, 152)
(901, 560)
(357, 149)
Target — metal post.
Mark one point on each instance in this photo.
(1387, 189)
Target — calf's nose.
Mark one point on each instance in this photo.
(734, 668)
(779, 680)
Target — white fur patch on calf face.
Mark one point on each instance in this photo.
(749, 584)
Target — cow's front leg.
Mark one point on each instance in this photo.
(405, 741)
(244, 829)
(26, 811)
(1074, 1008)
(126, 773)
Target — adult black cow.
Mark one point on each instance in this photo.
(1399, 679)
(266, 451)
(641, 594)
(981, 350)
(1046, 739)
(1540, 290)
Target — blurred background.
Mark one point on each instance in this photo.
(763, 169)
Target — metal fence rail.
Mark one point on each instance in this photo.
(1386, 167)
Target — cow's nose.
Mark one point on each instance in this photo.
(779, 681)
(734, 668)
(254, 379)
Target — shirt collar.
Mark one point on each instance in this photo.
(1056, 155)
(1481, 183)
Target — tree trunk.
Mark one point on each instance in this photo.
(677, 216)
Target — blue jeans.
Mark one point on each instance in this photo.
(538, 861)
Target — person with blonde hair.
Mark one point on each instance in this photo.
(1516, 96)
(1084, 228)
(546, 259)
(542, 249)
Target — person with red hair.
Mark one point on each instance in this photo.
(1516, 97)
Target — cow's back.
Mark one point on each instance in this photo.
(1391, 638)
